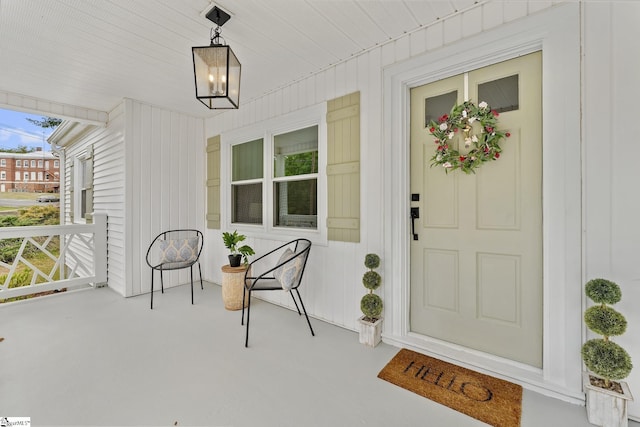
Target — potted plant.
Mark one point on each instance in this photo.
(606, 400)
(231, 241)
(371, 304)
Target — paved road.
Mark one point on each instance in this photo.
(18, 203)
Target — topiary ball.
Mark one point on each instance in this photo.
(605, 321)
(371, 261)
(607, 359)
(603, 291)
(371, 280)
(371, 305)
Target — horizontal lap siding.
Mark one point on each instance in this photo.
(108, 183)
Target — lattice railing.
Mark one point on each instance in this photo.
(54, 257)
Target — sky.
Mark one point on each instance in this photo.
(15, 130)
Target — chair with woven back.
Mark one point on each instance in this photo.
(175, 250)
(280, 269)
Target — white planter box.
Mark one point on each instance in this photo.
(606, 408)
(370, 333)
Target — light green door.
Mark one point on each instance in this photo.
(476, 266)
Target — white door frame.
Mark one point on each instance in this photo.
(557, 33)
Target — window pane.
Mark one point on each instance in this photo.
(247, 203)
(295, 204)
(296, 153)
(247, 161)
(437, 106)
(501, 94)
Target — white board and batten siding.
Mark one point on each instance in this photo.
(595, 186)
(165, 185)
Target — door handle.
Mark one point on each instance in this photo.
(415, 213)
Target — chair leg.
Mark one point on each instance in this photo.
(152, 271)
(246, 339)
(305, 312)
(162, 281)
(191, 270)
(200, 270)
(296, 303)
(244, 292)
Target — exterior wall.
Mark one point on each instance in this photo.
(164, 187)
(47, 175)
(148, 176)
(610, 151)
(333, 286)
(609, 241)
(108, 182)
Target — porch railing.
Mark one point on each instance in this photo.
(54, 257)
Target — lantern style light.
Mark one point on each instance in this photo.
(217, 69)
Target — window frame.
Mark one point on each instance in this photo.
(80, 161)
(267, 130)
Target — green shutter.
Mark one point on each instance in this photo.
(343, 168)
(213, 182)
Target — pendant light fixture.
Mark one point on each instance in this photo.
(216, 68)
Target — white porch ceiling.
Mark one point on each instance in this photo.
(94, 53)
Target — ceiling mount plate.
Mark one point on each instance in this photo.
(218, 16)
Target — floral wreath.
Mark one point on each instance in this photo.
(486, 145)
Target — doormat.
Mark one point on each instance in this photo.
(491, 400)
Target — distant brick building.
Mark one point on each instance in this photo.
(37, 172)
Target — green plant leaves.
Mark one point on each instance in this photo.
(371, 280)
(605, 321)
(371, 261)
(603, 291)
(371, 305)
(607, 359)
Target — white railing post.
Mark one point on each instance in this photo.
(100, 250)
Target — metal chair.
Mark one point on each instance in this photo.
(282, 268)
(175, 250)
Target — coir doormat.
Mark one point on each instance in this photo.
(491, 400)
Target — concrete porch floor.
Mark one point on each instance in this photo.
(91, 357)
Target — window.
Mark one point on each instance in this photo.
(39, 176)
(46, 164)
(26, 176)
(295, 178)
(3, 162)
(18, 163)
(3, 176)
(33, 176)
(17, 176)
(56, 163)
(40, 163)
(246, 182)
(82, 186)
(291, 184)
(33, 163)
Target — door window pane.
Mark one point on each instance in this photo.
(501, 94)
(437, 106)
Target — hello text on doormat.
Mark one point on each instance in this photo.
(488, 399)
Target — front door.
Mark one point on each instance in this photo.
(476, 258)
